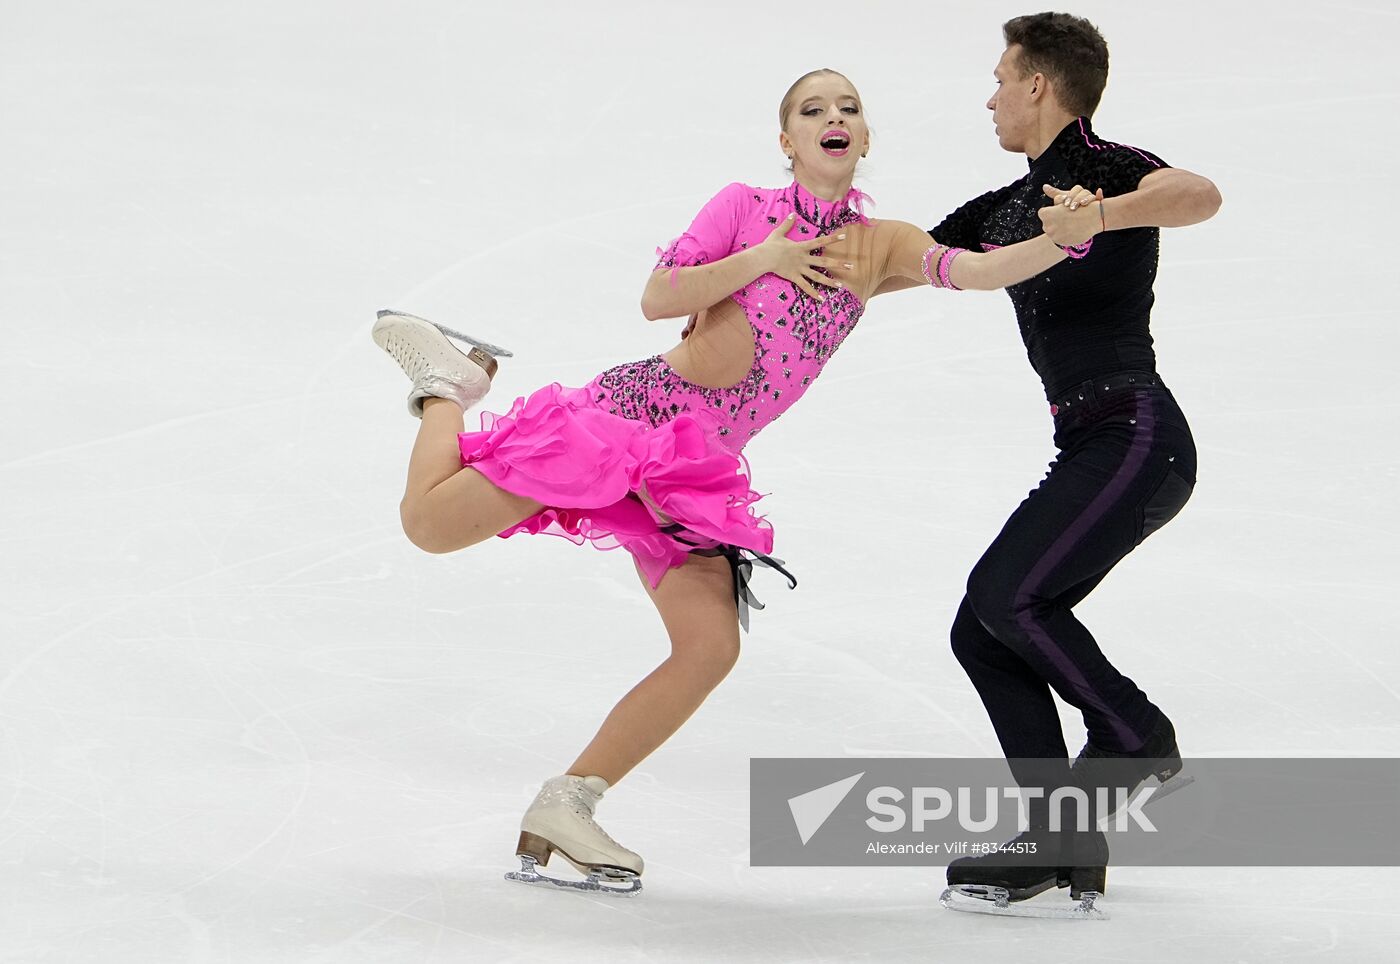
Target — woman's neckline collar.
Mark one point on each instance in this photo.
(818, 210)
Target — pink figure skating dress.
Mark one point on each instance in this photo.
(643, 459)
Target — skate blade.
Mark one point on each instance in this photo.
(1167, 787)
(996, 901)
(614, 883)
(1172, 784)
(490, 349)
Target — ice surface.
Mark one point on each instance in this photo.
(241, 719)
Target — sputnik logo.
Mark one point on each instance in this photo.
(811, 809)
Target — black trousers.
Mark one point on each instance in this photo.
(1126, 466)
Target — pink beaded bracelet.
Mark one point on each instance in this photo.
(927, 261)
(1076, 251)
(939, 272)
(945, 267)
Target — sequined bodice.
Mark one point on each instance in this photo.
(794, 334)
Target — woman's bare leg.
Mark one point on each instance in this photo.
(696, 603)
(447, 506)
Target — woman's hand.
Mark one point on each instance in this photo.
(1073, 218)
(795, 261)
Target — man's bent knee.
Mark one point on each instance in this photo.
(995, 606)
(968, 636)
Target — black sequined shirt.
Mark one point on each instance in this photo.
(1087, 317)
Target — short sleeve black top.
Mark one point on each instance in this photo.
(1087, 317)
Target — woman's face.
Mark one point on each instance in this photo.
(824, 132)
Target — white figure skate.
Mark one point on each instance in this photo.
(438, 368)
(561, 821)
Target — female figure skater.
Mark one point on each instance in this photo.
(647, 455)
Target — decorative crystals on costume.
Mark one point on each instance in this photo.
(651, 391)
(808, 208)
(819, 328)
(670, 257)
(794, 336)
(1101, 322)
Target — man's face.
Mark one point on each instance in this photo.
(1013, 113)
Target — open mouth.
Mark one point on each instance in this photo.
(836, 143)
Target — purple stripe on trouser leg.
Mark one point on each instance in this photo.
(1092, 515)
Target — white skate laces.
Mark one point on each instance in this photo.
(437, 367)
(581, 796)
(560, 820)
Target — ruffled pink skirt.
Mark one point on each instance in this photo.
(593, 470)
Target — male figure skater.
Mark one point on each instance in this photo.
(1126, 462)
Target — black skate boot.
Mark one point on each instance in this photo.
(1033, 862)
(1027, 865)
(1001, 875)
(1121, 774)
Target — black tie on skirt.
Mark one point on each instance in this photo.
(741, 563)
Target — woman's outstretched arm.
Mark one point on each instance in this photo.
(910, 261)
